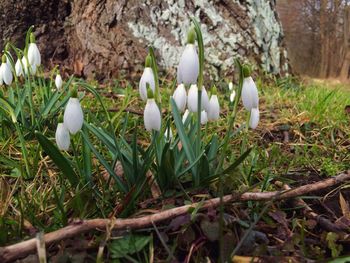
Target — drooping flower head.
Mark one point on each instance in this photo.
(34, 56)
(250, 95)
(204, 117)
(214, 107)
(147, 77)
(192, 99)
(151, 115)
(73, 114)
(62, 136)
(18, 68)
(180, 97)
(5, 72)
(188, 69)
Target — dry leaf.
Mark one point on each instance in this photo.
(344, 206)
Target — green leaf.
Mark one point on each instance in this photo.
(62, 163)
(109, 169)
(186, 144)
(128, 245)
(236, 162)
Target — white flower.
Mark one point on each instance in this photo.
(170, 132)
(58, 82)
(188, 69)
(232, 96)
(147, 77)
(254, 118)
(62, 137)
(214, 108)
(6, 73)
(205, 100)
(192, 99)
(151, 116)
(184, 117)
(180, 97)
(250, 95)
(25, 65)
(230, 86)
(73, 116)
(18, 68)
(204, 117)
(34, 56)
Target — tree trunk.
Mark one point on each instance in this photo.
(345, 69)
(104, 38)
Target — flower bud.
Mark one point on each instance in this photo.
(232, 95)
(192, 99)
(58, 81)
(152, 116)
(62, 137)
(185, 115)
(18, 68)
(73, 115)
(214, 107)
(188, 69)
(146, 78)
(180, 97)
(250, 95)
(34, 56)
(6, 73)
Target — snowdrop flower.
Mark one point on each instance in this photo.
(5, 72)
(250, 95)
(188, 69)
(147, 77)
(180, 97)
(230, 86)
(214, 107)
(254, 118)
(73, 114)
(232, 96)
(204, 117)
(151, 115)
(62, 137)
(18, 68)
(192, 99)
(34, 56)
(184, 117)
(58, 81)
(32, 68)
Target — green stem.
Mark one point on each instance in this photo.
(155, 74)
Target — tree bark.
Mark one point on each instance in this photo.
(105, 38)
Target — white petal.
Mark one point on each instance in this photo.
(25, 65)
(250, 95)
(184, 117)
(6, 74)
(230, 86)
(62, 137)
(18, 68)
(192, 99)
(73, 116)
(232, 96)
(147, 77)
(188, 69)
(254, 118)
(205, 99)
(151, 116)
(58, 82)
(34, 56)
(214, 108)
(204, 117)
(180, 97)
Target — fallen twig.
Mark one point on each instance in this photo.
(24, 248)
